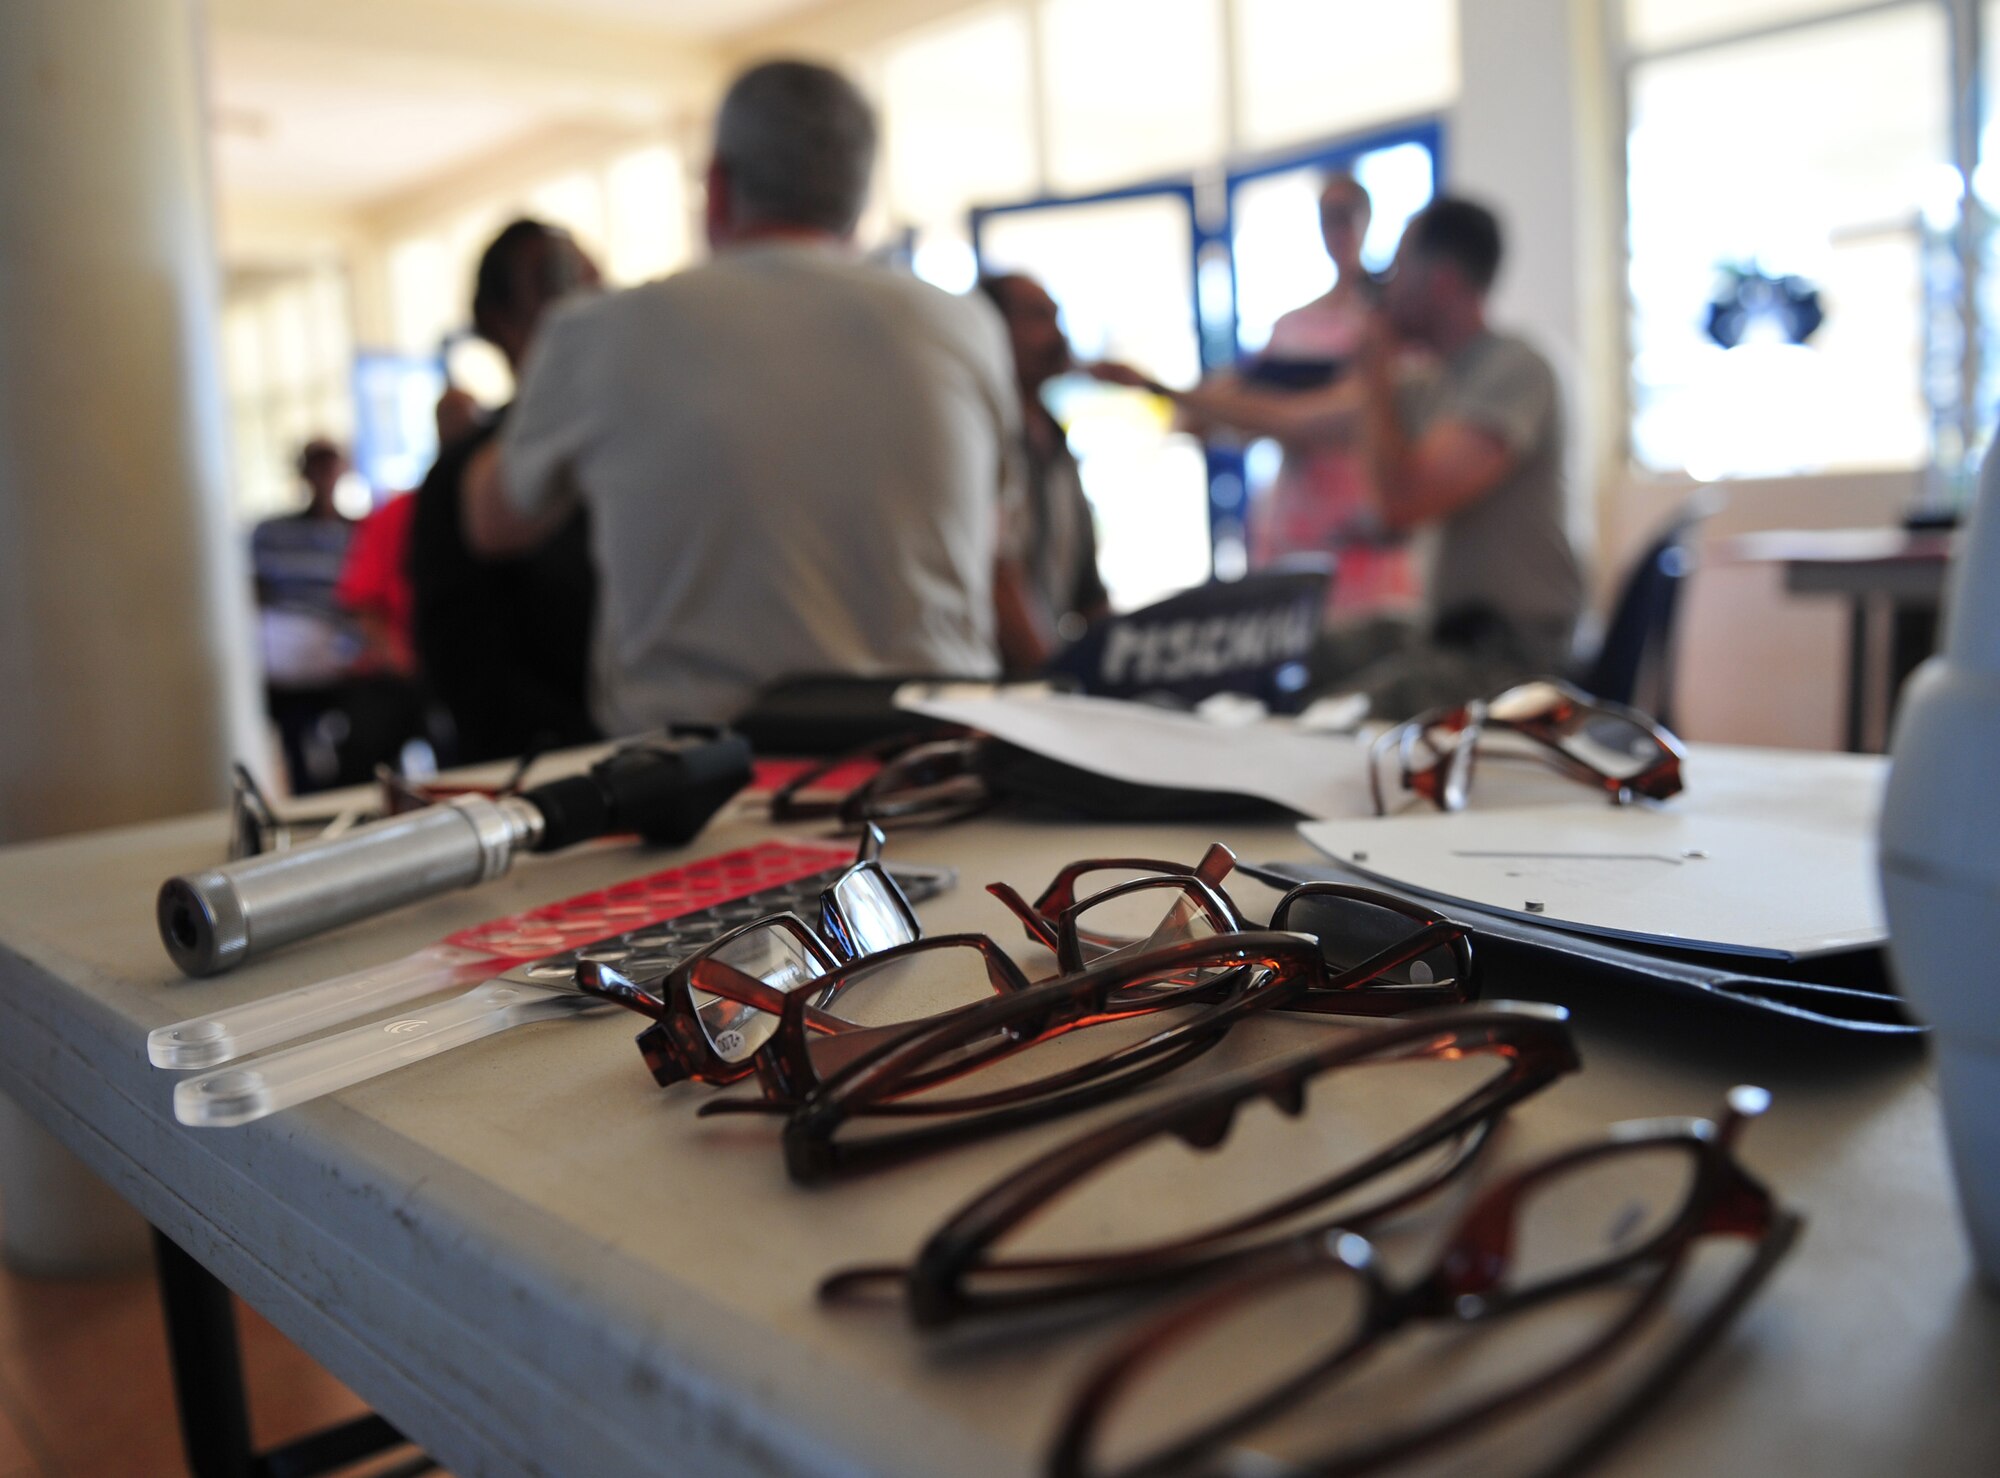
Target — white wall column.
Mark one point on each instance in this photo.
(125, 667)
(124, 606)
(1535, 135)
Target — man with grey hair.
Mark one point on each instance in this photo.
(796, 461)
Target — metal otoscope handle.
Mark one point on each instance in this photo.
(664, 789)
(215, 919)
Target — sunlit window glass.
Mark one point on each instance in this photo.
(1762, 172)
(288, 363)
(574, 201)
(423, 296)
(1650, 24)
(1986, 187)
(1308, 69)
(648, 207)
(1132, 90)
(1281, 259)
(1122, 272)
(957, 117)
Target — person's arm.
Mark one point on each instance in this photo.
(1465, 452)
(519, 487)
(1019, 624)
(494, 527)
(1329, 415)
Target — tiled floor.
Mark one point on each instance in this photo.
(84, 1389)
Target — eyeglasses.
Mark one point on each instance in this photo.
(1053, 1048)
(1595, 1238)
(922, 782)
(1352, 924)
(721, 1017)
(255, 827)
(1146, 1202)
(715, 1038)
(1599, 743)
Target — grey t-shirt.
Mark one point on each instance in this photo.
(796, 463)
(1507, 552)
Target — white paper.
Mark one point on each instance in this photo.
(1314, 774)
(1754, 883)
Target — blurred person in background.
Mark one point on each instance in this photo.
(1472, 446)
(504, 644)
(1053, 538)
(1321, 501)
(796, 462)
(308, 644)
(296, 557)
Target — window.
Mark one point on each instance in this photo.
(958, 104)
(1123, 272)
(648, 215)
(1808, 155)
(1131, 91)
(575, 202)
(1307, 69)
(1653, 25)
(1281, 261)
(630, 213)
(286, 354)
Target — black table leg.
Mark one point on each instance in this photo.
(1857, 675)
(1913, 637)
(207, 1364)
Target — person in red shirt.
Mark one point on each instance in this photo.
(374, 588)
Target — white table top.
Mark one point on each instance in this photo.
(534, 1261)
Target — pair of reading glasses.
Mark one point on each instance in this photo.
(879, 1035)
(885, 1106)
(1606, 745)
(714, 1038)
(926, 781)
(1078, 1225)
(1157, 902)
(1304, 1317)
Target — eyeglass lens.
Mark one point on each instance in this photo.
(1156, 912)
(773, 955)
(911, 987)
(1351, 930)
(1435, 1363)
(1167, 1190)
(872, 916)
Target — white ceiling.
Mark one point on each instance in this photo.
(346, 110)
(289, 126)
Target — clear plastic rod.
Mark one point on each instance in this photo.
(238, 1095)
(236, 1031)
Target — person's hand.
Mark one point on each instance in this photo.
(1113, 373)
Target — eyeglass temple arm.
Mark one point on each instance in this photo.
(596, 979)
(1039, 929)
(1215, 865)
(872, 842)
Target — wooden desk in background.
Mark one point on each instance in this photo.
(1872, 569)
